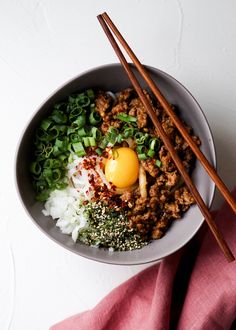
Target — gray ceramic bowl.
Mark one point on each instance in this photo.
(112, 77)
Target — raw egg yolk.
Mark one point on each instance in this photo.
(122, 169)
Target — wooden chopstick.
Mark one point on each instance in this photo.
(166, 106)
(215, 231)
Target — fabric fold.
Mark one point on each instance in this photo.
(194, 288)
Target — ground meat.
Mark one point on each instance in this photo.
(172, 209)
(141, 118)
(167, 196)
(154, 203)
(104, 127)
(156, 233)
(125, 95)
(167, 164)
(168, 125)
(183, 196)
(162, 223)
(154, 189)
(102, 103)
(138, 110)
(127, 197)
(172, 178)
(115, 123)
(140, 205)
(150, 166)
(120, 107)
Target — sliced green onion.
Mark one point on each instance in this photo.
(92, 142)
(48, 163)
(112, 135)
(154, 144)
(151, 153)
(56, 163)
(62, 129)
(141, 138)
(82, 100)
(140, 149)
(103, 143)
(69, 147)
(63, 160)
(48, 150)
(70, 159)
(35, 168)
(47, 174)
(59, 117)
(81, 132)
(40, 184)
(94, 118)
(86, 141)
(75, 137)
(60, 185)
(142, 156)
(80, 121)
(79, 149)
(90, 94)
(75, 112)
(40, 149)
(128, 132)
(158, 163)
(56, 174)
(96, 133)
(71, 130)
(59, 136)
(89, 141)
(124, 117)
(71, 99)
(43, 135)
(99, 151)
(45, 124)
(54, 132)
(43, 196)
(92, 107)
(59, 143)
(119, 138)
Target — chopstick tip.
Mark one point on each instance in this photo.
(102, 14)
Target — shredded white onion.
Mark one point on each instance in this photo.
(66, 205)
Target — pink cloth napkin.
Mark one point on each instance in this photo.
(194, 288)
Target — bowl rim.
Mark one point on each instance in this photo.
(64, 84)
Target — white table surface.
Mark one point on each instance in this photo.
(43, 44)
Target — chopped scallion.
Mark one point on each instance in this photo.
(127, 118)
(151, 153)
(94, 118)
(35, 168)
(79, 149)
(142, 156)
(80, 121)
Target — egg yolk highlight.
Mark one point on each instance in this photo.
(122, 169)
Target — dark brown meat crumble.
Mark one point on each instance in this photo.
(167, 196)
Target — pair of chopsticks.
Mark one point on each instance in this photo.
(107, 23)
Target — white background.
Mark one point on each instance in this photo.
(43, 44)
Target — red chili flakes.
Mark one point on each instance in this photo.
(100, 190)
(101, 165)
(89, 163)
(107, 153)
